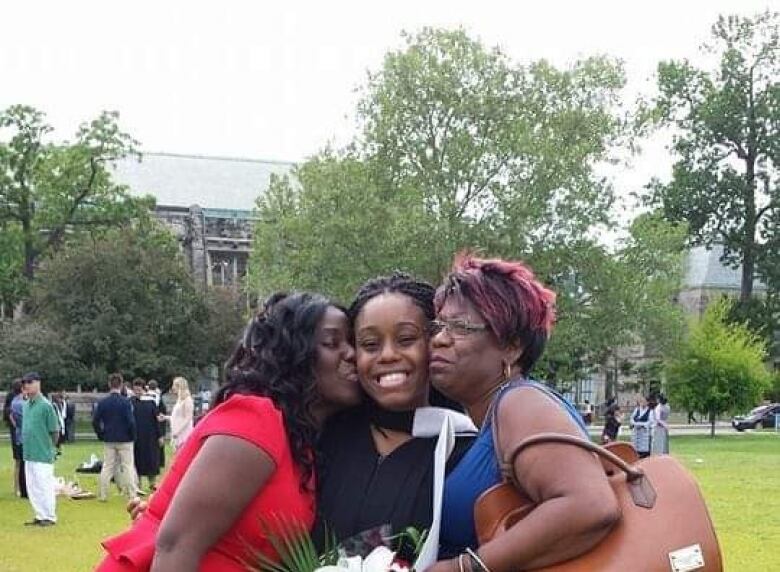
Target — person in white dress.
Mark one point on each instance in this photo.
(661, 430)
(182, 412)
(642, 421)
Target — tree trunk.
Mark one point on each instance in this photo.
(749, 239)
(29, 251)
(712, 424)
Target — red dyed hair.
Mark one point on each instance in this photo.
(516, 306)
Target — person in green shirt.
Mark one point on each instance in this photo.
(39, 435)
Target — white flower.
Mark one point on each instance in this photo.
(380, 560)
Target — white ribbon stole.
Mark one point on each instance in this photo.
(430, 421)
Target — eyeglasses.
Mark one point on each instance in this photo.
(456, 328)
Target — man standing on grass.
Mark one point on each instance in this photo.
(114, 424)
(40, 430)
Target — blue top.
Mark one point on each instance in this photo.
(113, 420)
(17, 412)
(477, 472)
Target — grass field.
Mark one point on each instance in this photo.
(739, 475)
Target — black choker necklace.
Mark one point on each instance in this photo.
(392, 420)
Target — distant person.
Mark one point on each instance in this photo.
(612, 422)
(182, 412)
(691, 418)
(114, 424)
(40, 430)
(146, 449)
(153, 389)
(70, 418)
(642, 421)
(661, 430)
(587, 412)
(13, 410)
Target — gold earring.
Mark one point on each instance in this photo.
(507, 370)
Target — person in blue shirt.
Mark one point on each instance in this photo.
(493, 321)
(13, 412)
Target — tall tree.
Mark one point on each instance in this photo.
(727, 121)
(459, 147)
(48, 190)
(489, 146)
(720, 367)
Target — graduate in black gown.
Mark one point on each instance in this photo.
(372, 471)
(153, 390)
(147, 442)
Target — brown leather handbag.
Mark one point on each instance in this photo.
(664, 525)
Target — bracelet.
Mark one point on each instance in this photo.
(475, 557)
(464, 566)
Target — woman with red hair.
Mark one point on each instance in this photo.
(493, 320)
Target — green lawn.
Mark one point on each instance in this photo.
(739, 475)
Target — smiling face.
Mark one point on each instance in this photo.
(391, 344)
(465, 363)
(337, 381)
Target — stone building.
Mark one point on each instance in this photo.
(208, 203)
(706, 279)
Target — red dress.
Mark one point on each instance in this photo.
(257, 420)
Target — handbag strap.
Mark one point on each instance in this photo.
(642, 491)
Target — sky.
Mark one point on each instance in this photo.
(279, 81)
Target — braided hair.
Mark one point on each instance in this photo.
(420, 292)
(276, 358)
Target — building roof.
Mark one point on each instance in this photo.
(210, 182)
(703, 269)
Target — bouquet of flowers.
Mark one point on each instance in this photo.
(369, 551)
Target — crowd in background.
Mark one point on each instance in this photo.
(131, 422)
(649, 422)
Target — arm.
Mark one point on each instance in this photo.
(181, 417)
(175, 420)
(575, 504)
(223, 478)
(130, 419)
(97, 424)
(53, 425)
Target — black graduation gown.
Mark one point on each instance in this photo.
(358, 489)
(146, 448)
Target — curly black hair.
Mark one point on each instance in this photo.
(276, 358)
(420, 292)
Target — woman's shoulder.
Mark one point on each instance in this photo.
(239, 403)
(250, 417)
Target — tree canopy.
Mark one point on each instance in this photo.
(459, 147)
(49, 191)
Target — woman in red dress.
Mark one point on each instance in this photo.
(249, 463)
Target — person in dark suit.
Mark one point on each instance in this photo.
(114, 424)
(70, 419)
